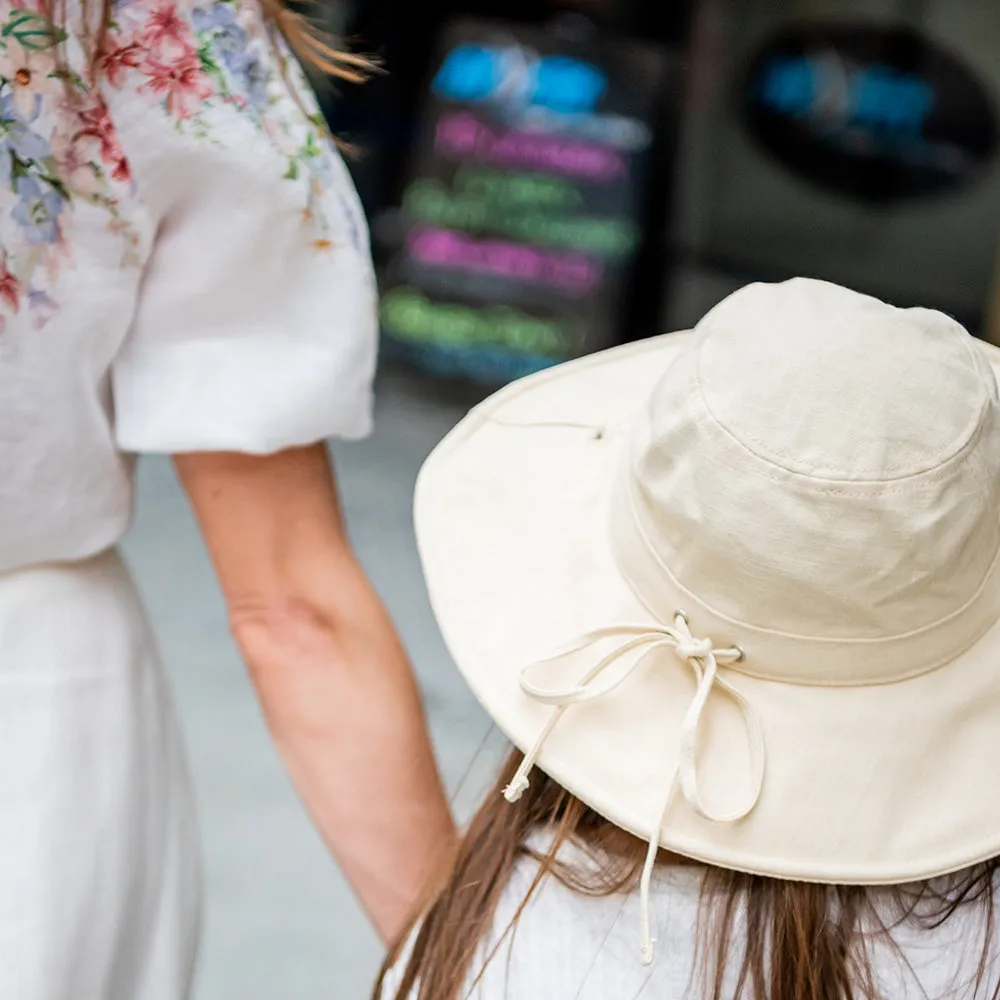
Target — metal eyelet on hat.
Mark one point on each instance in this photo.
(740, 651)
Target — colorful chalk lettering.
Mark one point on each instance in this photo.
(432, 203)
(517, 190)
(468, 73)
(522, 213)
(463, 137)
(622, 132)
(482, 362)
(604, 237)
(410, 315)
(574, 274)
(429, 201)
(518, 75)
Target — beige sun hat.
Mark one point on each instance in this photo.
(738, 589)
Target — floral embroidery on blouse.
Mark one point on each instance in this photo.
(220, 53)
(58, 144)
(52, 151)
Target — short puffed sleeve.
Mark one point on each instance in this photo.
(255, 323)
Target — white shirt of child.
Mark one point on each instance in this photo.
(184, 263)
(569, 946)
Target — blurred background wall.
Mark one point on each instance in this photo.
(853, 140)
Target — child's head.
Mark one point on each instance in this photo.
(738, 591)
(821, 936)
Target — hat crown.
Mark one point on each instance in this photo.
(823, 381)
(821, 464)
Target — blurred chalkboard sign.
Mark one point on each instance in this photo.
(522, 215)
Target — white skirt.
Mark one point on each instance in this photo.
(99, 876)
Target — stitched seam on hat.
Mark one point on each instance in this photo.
(860, 489)
(763, 445)
(768, 469)
(795, 637)
(931, 474)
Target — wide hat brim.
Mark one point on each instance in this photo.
(873, 784)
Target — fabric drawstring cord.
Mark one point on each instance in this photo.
(705, 661)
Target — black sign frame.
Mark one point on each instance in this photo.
(519, 235)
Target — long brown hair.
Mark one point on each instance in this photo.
(798, 941)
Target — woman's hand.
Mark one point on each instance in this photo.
(337, 691)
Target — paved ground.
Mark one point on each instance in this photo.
(281, 923)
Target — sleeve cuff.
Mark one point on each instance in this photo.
(255, 397)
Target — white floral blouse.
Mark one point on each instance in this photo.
(184, 263)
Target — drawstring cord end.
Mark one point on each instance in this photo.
(516, 788)
(519, 783)
(647, 951)
(645, 909)
(705, 661)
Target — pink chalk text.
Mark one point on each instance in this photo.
(464, 137)
(572, 273)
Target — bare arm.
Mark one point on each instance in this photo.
(336, 689)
